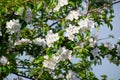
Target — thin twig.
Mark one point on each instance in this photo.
(109, 5)
(115, 2)
(87, 6)
(53, 24)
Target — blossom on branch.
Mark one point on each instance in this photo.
(61, 55)
(3, 60)
(86, 24)
(64, 54)
(74, 14)
(70, 31)
(50, 62)
(40, 42)
(51, 38)
(13, 26)
(61, 3)
(22, 41)
(109, 46)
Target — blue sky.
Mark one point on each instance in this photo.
(108, 68)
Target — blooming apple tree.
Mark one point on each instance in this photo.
(41, 39)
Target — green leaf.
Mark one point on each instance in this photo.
(39, 5)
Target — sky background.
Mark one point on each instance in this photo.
(111, 70)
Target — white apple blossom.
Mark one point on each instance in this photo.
(13, 26)
(86, 24)
(61, 3)
(92, 42)
(61, 55)
(40, 42)
(51, 38)
(19, 42)
(109, 46)
(70, 31)
(72, 75)
(56, 9)
(3, 60)
(51, 62)
(74, 14)
(95, 52)
(64, 54)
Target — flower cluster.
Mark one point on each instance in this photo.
(24, 41)
(64, 54)
(72, 75)
(51, 38)
(3, 60)
(61, 55)
(74, 14)
(13, 26)
(92, 42)
(86, 24)
(50, 62)
(95, 52)
(109, 46)
(61, 3)
(40, 42)
(70, 31)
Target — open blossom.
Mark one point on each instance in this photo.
(74, 14)
(40, 42)
(56, 8)
(86, 24)
(3, 60)
(61, 55)
(13, 26)
(51, 62)
(92, 42)
(51, 38)
(72, 75)
(70, 31)
(95, 52)
(25, 41)
(64, 54)
(61, 3)
(109, 46)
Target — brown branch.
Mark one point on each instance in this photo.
(87, 6)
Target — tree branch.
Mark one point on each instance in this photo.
(116, 2)
(22, 67)
(22, 76)
(53, 24)
(108, 5)
(87, 6)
